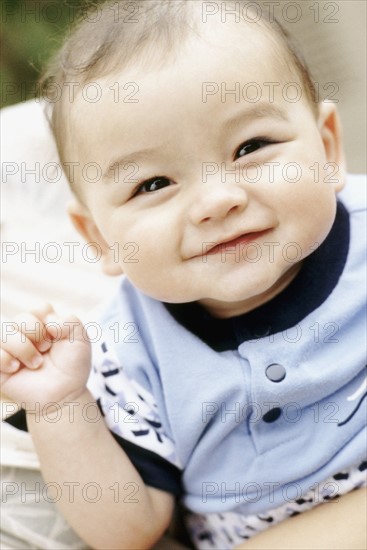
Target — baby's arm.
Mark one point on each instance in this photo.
(338, 525)
(75, 448)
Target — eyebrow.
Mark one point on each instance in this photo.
(259, 111)
(131, 158)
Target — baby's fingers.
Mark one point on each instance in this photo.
(68, 328)
(16, 344)
(34, 329)
(8, 363)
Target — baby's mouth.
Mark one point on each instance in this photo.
(241, 240)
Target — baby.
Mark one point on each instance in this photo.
(231, 370)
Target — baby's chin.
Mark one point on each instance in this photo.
(166, 295)
(236, 301)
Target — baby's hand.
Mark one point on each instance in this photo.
(44, 359)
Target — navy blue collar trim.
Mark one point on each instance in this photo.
(314, 283)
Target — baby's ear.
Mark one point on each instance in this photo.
(85, 225)
(332, 136)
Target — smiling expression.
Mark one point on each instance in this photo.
(218, 194)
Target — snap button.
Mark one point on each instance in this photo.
(275, 372)
(262, 332)
(272, 415)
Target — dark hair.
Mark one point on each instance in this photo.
(118, 33)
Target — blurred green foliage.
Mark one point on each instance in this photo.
(31, 32)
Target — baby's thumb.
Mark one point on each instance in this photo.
(42, 311)
(68, 328)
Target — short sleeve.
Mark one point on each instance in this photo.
(132, 415)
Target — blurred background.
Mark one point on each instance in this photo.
(31, 32)
(332, 35)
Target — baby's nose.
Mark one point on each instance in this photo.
(217, 200)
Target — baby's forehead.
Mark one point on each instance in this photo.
(253, 40)
(241, 54)
(242, 38)
(266, 46)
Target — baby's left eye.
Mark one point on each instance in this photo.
(250, 147)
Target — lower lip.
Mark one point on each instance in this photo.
(242, 240)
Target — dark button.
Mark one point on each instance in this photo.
(275, 372)
(261, 332)
(272, 415)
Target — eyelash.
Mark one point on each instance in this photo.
(262, 142)
(147, 182)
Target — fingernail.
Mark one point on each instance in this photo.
(44, 346)
(36, 361)
(14, 364)
(51, 318)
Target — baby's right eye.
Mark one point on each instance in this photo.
(154, 184)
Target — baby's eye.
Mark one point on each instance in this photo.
(250, 147)
(154, 184)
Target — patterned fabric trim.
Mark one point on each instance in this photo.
(130, 410)
(227, 530)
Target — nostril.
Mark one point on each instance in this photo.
(205, 219)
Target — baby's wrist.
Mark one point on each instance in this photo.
(79, 403)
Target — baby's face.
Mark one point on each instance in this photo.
(199, 168)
